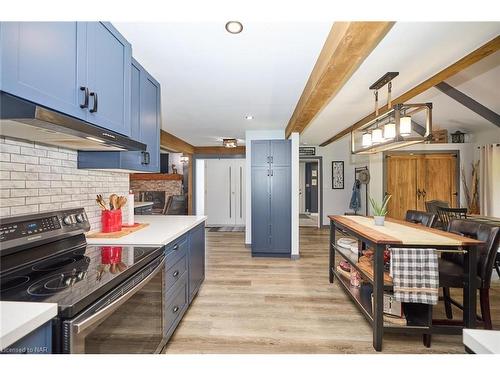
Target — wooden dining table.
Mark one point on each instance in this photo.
(400, 234)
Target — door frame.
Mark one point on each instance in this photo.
(424, 152)
(319, 159)
(205, 157)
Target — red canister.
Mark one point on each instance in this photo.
(111, 221)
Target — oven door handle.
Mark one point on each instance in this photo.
(79, 327)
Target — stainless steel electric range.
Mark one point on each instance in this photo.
(110, 298)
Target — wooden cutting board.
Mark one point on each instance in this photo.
(123, 232)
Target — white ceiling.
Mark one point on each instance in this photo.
(418, 50)
(211, 79)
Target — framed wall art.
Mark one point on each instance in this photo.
(337, 174)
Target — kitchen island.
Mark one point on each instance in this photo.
(161, 230)
(183, 240)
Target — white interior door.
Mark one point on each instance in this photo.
(238, 173)
(225, 192)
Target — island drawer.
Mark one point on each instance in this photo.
(177, 249)
(176, 303)
(175, 272)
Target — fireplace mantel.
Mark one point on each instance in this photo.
(155, 176)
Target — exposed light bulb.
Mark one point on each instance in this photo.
(377, 136)
(405, 125)
(390, 130)
(367, 140)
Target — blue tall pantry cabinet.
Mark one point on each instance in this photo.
(81, 69)
(271, 198)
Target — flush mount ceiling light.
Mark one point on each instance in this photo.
(230, 142)
(234, 27)
(248, 117)
(393, 128)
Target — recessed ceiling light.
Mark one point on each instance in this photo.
(234, 27)
(249, 117)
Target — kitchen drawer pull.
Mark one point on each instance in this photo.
(94, 108)
(86, 99)
(175, 309)
(176, 247)
(175, 274)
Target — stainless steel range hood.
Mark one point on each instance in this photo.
(23, 119)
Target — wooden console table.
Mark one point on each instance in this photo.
(399, 234)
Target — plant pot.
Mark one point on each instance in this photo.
(379, 220)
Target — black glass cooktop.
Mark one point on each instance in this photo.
(76, 278)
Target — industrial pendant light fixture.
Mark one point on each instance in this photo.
(393, 127)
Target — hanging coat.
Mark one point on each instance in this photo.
(355, 203)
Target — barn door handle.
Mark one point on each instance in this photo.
(230, 206)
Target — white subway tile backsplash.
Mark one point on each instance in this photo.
(36, 178)
(19, 210)
(8, 166)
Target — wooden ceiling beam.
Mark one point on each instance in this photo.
(346, 47)
(485, 50)
(172, 143)
(219, 150)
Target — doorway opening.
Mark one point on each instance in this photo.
(310, 192)
(220, 192)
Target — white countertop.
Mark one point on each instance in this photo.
(161, 230)
(142, 204)
(17, 319)
(481, 341)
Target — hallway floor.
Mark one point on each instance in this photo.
(265, 305)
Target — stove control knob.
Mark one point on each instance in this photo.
(80, 218)
(67, 220)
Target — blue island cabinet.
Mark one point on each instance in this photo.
(37, 342)
(81, 69)
(185, 272)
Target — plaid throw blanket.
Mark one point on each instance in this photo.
(415, 275)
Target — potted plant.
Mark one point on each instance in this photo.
(380, 210)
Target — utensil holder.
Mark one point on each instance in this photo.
(111, 221)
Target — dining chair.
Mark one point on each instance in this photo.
(419, 217)
(446, 214)
(451, 266)
(431, 206)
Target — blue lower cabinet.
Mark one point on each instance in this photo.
(185, 272)
(37, 342)
(145, 114)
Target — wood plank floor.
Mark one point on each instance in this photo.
(263, 305)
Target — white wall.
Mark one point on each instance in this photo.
(251, 135)
(336, 201)
(295, 194)
(200, 187)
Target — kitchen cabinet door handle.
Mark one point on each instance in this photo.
(94, 107)
(175, 274)
(176, 247)
(175, 309)
(424, 193)
(86, 98)
(419, 193)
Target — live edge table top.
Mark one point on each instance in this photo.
(400, 232)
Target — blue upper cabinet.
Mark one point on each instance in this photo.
(109, 57)
(150, 119)
(145, 116)
(45, 62)
(78, 68)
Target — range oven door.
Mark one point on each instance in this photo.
(130, 319)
